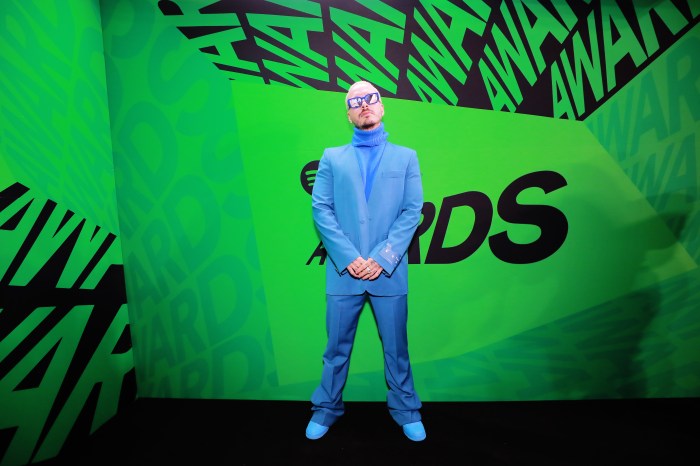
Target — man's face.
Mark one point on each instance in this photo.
(365, 116)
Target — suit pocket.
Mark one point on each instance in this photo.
(392, 174)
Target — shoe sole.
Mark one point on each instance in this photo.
(316, 437)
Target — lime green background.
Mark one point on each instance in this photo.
(55, 139)
(109, 111)
(55, 124)
(198, 314)
(217, 230)
(616, 243)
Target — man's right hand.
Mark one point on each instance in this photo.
(355, 268)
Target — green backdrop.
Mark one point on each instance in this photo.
(161, 153)
(66, 364)
(223, 108)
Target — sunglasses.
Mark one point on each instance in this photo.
(371, 99)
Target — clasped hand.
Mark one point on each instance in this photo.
(365, 269)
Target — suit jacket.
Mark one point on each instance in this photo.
(381, 227)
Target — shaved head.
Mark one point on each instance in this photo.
(364, 86)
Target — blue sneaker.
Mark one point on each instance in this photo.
(414, 431)
(315, 430)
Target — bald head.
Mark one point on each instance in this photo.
(360, 88)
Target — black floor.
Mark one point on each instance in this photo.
(232, 432)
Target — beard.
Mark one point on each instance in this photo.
(367, 124)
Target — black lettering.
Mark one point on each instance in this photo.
(483, 213)
(320, 251)
(551, 221)
(428, 212)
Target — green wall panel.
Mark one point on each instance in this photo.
(183, 136)
(221, 109)
(198, 314)
(66, 364)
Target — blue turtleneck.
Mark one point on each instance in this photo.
(369, 146)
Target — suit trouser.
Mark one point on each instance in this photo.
(342, 316)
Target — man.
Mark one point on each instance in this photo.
(367, 199)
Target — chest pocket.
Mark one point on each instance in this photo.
(392, 174)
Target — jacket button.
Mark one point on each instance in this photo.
(362, 220)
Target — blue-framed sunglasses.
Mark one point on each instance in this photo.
(371, 99)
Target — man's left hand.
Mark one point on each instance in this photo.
(371, 270)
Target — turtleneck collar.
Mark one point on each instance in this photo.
(372, 137)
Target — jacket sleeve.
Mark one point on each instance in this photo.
(389, 252)
(340, 249)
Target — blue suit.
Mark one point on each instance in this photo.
(380, 227)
